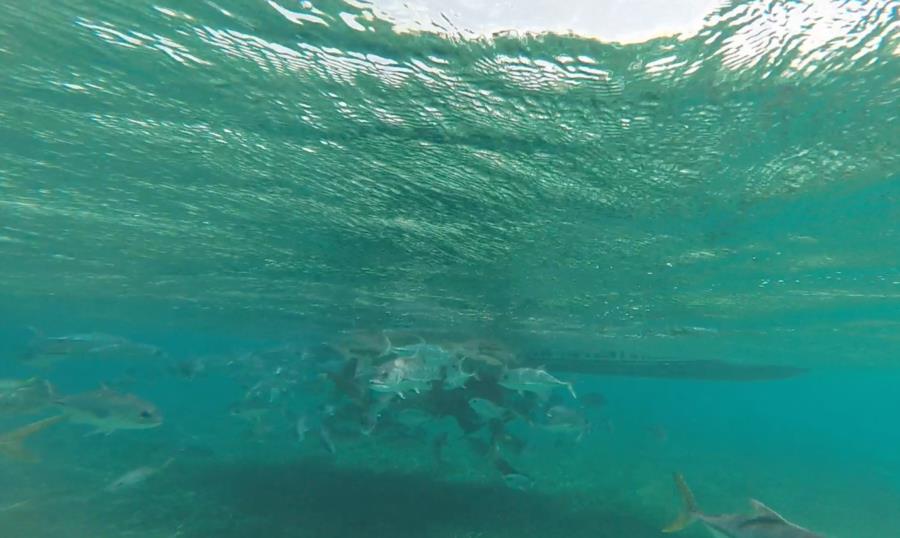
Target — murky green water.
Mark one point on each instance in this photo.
(224, 186)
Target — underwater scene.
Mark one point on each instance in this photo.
(449, 269)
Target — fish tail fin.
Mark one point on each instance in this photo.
(36, 333)
(11, 443)
(689, 511)
(388, 345)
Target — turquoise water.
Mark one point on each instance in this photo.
(237, 201)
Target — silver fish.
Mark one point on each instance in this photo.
(455, 377)
(109, 410)
(135, 477)
(762, 523)
(399, 385)
(565, 420)
(512, 477)
(373, 414)
(487, 409)
(533, 380)
(429, 353)
(405, 374)
(45, 350)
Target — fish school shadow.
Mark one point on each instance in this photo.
(315, 498)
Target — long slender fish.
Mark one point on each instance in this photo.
(46, 350)
(762, 523)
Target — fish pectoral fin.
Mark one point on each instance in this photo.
(762, 510)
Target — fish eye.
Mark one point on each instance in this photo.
(146, 414)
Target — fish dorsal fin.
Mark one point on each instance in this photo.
(762, 510)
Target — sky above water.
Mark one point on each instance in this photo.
(613, 20)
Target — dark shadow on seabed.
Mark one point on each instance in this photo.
(314, 498)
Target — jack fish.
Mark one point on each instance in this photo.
(108, 410)
(534, 380)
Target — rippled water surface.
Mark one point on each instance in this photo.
(215, 177)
